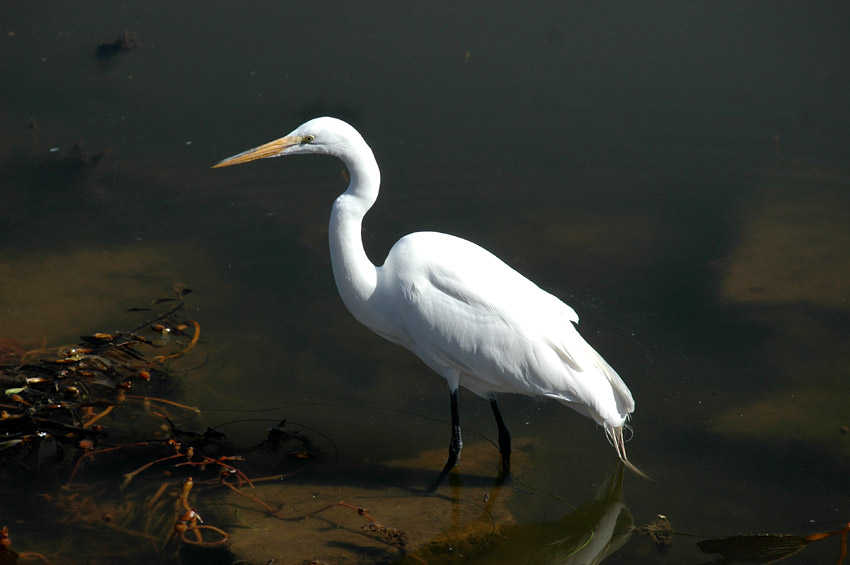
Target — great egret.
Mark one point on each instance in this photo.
(459, 308)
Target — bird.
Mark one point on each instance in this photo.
(465, 313)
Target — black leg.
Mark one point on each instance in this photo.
(504, 437)
(455, 446)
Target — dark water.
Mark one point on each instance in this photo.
(678, 173)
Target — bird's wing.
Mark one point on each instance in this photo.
(464, 309)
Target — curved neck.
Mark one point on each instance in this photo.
(356, 277)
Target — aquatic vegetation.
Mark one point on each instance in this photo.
(59, 395)
(116, 457)
(69, 416)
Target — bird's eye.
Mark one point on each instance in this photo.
(308, 139)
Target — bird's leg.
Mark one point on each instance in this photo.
(455, 446)
(504, 437)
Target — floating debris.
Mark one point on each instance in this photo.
(59, 397)
(660, 531)
(127, 42)
(82, 159)
(69, 417)
(394, 536)
(768, 548)
(758, 548)
(7, 556)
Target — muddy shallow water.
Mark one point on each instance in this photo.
(678, 174)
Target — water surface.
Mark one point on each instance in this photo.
(678, 173)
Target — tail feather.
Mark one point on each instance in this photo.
(615, 436)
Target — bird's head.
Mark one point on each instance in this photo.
(323, 136)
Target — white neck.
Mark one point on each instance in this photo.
(356, 277)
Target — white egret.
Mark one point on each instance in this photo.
(465, 313)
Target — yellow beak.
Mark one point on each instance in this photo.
(270, 149)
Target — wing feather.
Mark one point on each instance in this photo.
(466, 313)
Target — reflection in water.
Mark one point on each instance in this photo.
(607, 516)
(622, 151)
(588, 535)
(474, 522)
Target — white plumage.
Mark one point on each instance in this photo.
(459, 308)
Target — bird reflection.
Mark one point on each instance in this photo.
(587, 535)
